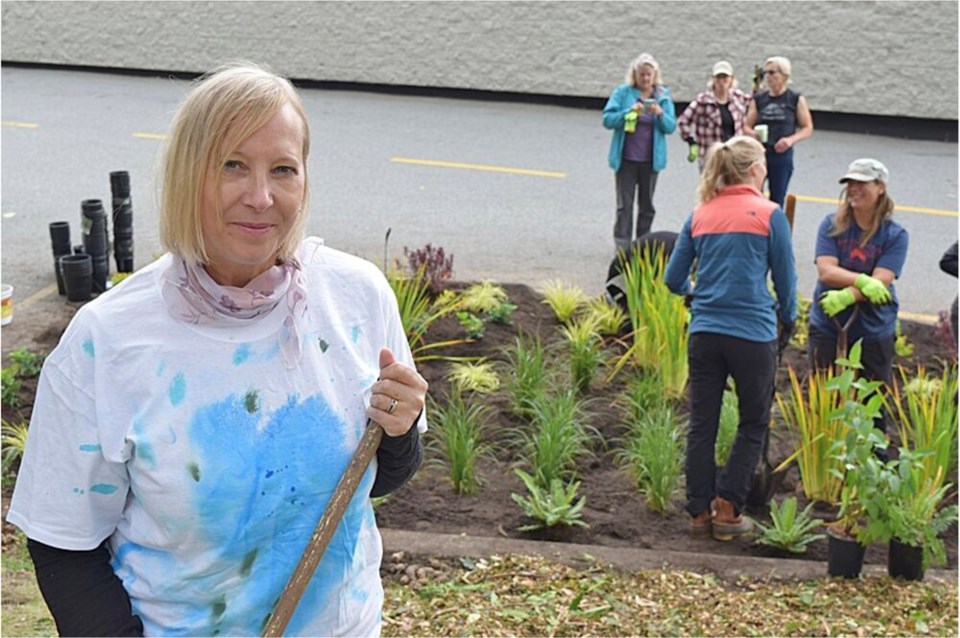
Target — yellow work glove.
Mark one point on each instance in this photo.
(834, 302)
(694, 152)
(630, 122)
(873, 289)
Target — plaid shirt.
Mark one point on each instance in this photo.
(701, 123)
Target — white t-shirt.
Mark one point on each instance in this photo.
(206, 461)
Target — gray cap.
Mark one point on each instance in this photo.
(866, 170)
(722, 68)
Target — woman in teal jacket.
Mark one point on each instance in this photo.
(640, 113)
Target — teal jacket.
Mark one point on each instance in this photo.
(619, 104)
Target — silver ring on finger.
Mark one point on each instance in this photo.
(392, 407)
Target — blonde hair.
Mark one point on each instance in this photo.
(224, 108)
(728, 163)
(782, 64)
(647, 59)
(844, 217)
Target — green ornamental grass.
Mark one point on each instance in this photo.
(653, 456)
(727, 428)
(474, 376)
(586, 356)
(563, 299)
(483, 297)
(457, 436)
(526, 376)
(557, 439)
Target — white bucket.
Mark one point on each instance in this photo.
(6, 304)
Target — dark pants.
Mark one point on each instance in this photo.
(634, 180)
(876, 357)
(779, 172)
(753, 365)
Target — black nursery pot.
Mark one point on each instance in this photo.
(77, 273)
(904, 561)
(844, 556)
(60, 241)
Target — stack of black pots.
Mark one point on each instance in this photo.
(96, 241)
(122, 221)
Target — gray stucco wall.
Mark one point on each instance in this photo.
(880, 58)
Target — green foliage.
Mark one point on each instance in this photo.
(807, 413)
(471, 324)
(653, 456)
(484, 297)
(607, 317)
(456, 433)
(10, 386)
(788, 530)
(902, 345)
(727, 428)
(559, 438)
(926, 409)
(802, 327)
(557, 505)
(14, 439)
(527, 378)
(27, 362)
(117, 277)
(435, 266)
(474, 376)
(585, 354)
(564, 300)
(501, 314)
(418, 312)
(644, 392)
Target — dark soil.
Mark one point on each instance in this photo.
(616, 512)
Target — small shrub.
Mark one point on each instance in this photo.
(902, 345)
(801, 330)
(474, 376)
(556, 506)
(483, 297)
(457, 432)
(28, 363)
(653, 456)
(471, 324)
(501, 314)
(436, 266)
(10, 381)
(788, 530)
(13, 437)
(564, 300)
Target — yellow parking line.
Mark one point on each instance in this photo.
(16, 124)
(900, 208)
(478, 167)
(37, 296)
(150, 136)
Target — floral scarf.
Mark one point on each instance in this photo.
(193, 296)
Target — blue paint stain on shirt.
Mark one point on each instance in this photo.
(90, 447)
(178, 390)
(265, 485)
(160, 368)
(242, 354)
(355, 334)
(103, 488)
(88, 347)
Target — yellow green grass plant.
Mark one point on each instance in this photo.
(586, 355)
(653, 456)
(807, 412)
(565, 300)
(483, 297)
(526, 377)
(418, 311)
(474, 376)
(607, 317)
(457, 440)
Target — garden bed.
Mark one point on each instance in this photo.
(617, 514)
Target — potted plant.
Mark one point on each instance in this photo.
(860, 470)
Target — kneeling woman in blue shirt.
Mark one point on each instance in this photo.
(736, 237)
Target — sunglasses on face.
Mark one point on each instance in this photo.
(770, 72)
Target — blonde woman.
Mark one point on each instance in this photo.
(788, 120)
(860, 251)
(641, 114)
(715, 115)
(191, 425)
(736, 237)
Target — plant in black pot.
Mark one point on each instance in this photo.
(860, 468)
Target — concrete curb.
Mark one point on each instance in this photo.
(623, 558)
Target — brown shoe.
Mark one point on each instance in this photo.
(700, 524)
(727, 524)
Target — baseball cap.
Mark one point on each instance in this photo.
(866, 170)
(722, 68)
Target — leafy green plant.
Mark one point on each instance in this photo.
(14, 439)
(653, 456)
(471, 324)
(807, 412)
(557, 505)
(788, 530)
(902, 345)
(10, 380)
(526, 377)
(564, 300)
(28, 363)
(418, 312)
(474, 376)
(607, 317)
(727, 427)
(457, 432)
(559, 438)
(585, 354)
(483, 297)
(926, 409)
(501, 314)
(801, 330)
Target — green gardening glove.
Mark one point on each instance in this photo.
(694, 152)
(873, 289)
(834, 302)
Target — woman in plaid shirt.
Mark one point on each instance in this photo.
(715, 115)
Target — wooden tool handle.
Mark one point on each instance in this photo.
(342, 495)
(791, 208)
